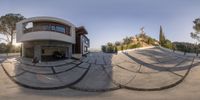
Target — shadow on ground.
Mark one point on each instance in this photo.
(142, 70)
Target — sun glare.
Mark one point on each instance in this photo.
(16, 44)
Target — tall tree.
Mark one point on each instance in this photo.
(161, 37)
(196, 27)
(8, 26)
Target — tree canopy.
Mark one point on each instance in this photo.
(161, 37)
(196, 27)
(8, 26)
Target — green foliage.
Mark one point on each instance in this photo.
(130, 43)
(196, 27)
(127, 40)
(134, 46)
(162, 37)
(168, 44)
(6, 48)
(3, 48)
(117, 43)
(146, 39)
(103, 48)
(122, 47)
(186, 47)
(8, 25)
(150, 41)
(109, 48)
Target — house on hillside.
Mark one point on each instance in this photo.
(49, 38)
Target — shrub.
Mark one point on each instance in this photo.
(168, 44)
(103, 48)
(134, 46)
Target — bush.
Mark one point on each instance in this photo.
(5, 48)
(168, 44)
(134, 46)
(103, 48)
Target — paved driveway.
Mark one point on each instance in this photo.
(128, 75)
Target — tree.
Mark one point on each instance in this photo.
(117, 43)
(110, 47)
(168, 44)
(3, 47)
(127, 41)
(161, 37)
(196, 27)
(8, 26)
(103, 48)
(109, 44)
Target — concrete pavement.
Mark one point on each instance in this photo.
(129, 75)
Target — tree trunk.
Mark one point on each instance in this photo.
(11, 40)
(11, 37)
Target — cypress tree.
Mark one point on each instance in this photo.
(161, 37)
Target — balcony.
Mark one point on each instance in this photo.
(35, 26)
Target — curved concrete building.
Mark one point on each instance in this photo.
(49, 38)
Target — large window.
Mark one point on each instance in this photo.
(46, 26)
(60, 29)
(85, 49)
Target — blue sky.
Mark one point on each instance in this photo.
(112, 20)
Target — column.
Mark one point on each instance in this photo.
(37, 52)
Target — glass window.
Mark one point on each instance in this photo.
(28, 25)
(53, 28)
(86, 49)
(68, 30)
(60, 29)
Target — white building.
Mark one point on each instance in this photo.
(49, 38)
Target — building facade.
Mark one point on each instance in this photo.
(82, 41)
(49, 38)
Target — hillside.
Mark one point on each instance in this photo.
(140, 40)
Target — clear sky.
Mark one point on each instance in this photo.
(112, 20)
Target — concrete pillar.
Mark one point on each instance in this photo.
(23, 51)
(69, 51)
(37, 52)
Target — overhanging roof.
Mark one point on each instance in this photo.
(81, 30)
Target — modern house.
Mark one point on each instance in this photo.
(49, 38)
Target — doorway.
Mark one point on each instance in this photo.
(54, 53)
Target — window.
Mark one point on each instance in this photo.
(67, 28)
(86, 49)
(60, 29)
(46, 26)
(28, 25)
(53, 28)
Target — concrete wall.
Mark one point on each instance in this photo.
(44, 35)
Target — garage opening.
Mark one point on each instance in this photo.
(54, 53)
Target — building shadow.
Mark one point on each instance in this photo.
(97, 81)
